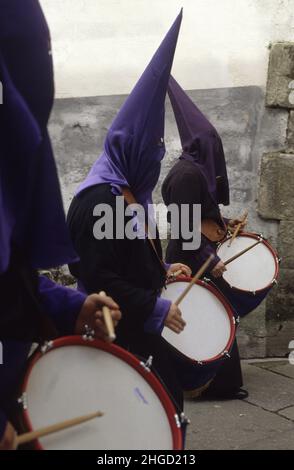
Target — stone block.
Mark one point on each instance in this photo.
(285, 244)
(276, 190)
(280, 82)
(290, 130)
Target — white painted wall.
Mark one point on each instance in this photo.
(102, 46)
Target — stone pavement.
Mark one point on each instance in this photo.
(265, 420)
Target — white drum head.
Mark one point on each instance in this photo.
(71, 381)
(208, 328)
(254, 270)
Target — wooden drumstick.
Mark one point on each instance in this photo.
(176, 273)
(108, 319)
(194, 279)
(237, 229)
(241, 253)
(31, 436)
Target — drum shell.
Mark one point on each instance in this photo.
(194, 374)
(131, 360)
(245, 301)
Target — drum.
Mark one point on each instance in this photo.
(250, 277)
(209, 333)
(74, 376)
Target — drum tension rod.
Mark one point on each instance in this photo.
(22, 401)
(89, 333)
(148, 364)
(46, 347)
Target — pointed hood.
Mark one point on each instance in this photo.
(201, 142)
(31, 209)
(134, 145)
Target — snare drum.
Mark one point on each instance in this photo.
(250, 277)
(74, 376)
(209, 333)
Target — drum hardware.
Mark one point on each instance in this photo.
(148, 364)
(275, 282)
(46, 347)
(200, 363)
(226, 354)
(177, 420)
(22, 401)
(279, 260)
(237, 320)
(89, 333)
(184, 419)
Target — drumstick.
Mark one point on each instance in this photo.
(31, 436)
(194, 279)
(241, 253)
(176, 273)
(108, 319)
(237, 229)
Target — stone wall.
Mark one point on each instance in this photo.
(248, 129)
(276, 199)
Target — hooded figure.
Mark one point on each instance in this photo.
(200, 177)
(201, 143)
(130, 269)
(134, 145)
(33, 231)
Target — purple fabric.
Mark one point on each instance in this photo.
(155, 321)
(61, 304)
(201, 143)
(134, 145)
(31, 209)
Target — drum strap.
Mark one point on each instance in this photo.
(130, 199)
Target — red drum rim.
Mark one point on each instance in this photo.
(228, 309)
(256, 236)
(117, 351)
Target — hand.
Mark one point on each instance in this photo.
(174, 320)
(234, 222)
(219, 269)
(91, 315)
(8, 441)
(179, 267)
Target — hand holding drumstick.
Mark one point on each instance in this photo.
(237, 225)
(93, 314)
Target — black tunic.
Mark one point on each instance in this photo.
(185, 184)
(130, 272)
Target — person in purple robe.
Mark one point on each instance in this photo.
(33, 231)
(199, 176)
(131, 270)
